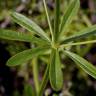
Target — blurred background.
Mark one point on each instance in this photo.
(15, 81)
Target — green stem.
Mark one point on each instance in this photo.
(35, 74)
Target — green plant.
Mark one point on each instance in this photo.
(51, 45)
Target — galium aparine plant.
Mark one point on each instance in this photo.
(51, 45)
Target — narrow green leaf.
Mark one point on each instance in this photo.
(29, 25)
(57, 20)
(48, 18)
(84, 33)
(78, 43)
(85, 65)
(55, 72)
(44, 81)
(24, 56)
(69, 15)
(20, 36)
